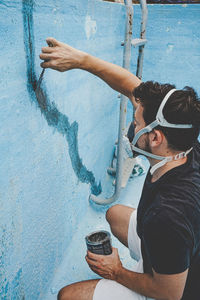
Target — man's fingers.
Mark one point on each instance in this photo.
(44, 56)
(92, 262)
(52, 42)
(115, 250)
(47, 49)
(94, 256)
(45, 64)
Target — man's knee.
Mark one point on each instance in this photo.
(60, 295)
(82, 290)
(118, 216)
(63, 294)
(110, 214)
(113, 213)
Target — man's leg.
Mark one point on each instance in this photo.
(122, 223)
(83, 290)
(118, 216)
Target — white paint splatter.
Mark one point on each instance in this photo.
(170, 47)
(90, 27)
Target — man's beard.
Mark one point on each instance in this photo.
(147, 147)
(130, 136)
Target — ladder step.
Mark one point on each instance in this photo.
(111, 171)
(127, 170)
(138, 42)
(128, 166)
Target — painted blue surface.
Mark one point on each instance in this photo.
(55, 147)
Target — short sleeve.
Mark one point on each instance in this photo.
(168, 244)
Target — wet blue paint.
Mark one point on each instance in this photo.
(16, 286)
(49, 110)
(4, 284)
(9, 288)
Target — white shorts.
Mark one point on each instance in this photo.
(111, 290)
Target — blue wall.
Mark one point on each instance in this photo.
(55, 148)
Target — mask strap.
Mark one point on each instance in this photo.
(161, 119)
(138, 135)
(143, 152)
(144, 130)
(169, 158)
(160, 164)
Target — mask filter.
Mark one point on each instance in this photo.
(128, 141)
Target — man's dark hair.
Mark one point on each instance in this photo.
(182, 107)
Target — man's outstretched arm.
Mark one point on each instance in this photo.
(62, 57)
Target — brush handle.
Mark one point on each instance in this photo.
(42, 73)
(50, 44)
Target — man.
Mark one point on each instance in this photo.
(164, 233)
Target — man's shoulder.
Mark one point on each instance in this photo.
(185, 177)
(196, 148)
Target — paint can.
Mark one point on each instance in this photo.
(99, 242)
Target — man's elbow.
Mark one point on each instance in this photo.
(168, 297)
(161, 293)
(175, 295)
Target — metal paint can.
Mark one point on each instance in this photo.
(99, 242)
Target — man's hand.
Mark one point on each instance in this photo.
(60, 56)
(107, 266)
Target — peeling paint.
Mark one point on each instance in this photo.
(90, 27)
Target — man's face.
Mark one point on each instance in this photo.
(139, 123)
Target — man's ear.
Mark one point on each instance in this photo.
(156, 138)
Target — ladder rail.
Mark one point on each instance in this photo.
(123, 102)
(140, 60)
(123, 105)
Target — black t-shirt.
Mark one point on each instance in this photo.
(168, 223)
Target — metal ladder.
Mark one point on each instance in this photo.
(124, 169)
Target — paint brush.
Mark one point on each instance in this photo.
(42, 73)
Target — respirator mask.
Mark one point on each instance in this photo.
(160, 120)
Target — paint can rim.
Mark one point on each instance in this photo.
(105, 239)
